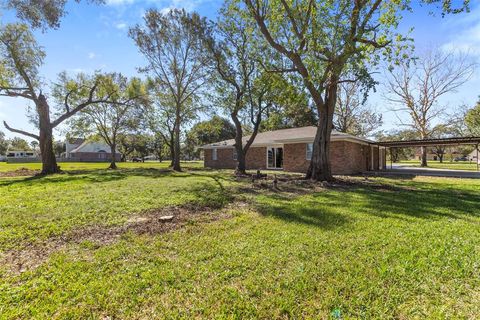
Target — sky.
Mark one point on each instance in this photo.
(93, 37)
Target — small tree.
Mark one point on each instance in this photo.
(19, 78)
(19, 144)
(110, 120)
(173, 45)
(472, 120)
(415, 88)
(3, 144)
(206, 132)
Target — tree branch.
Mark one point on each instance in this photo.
(25, 133)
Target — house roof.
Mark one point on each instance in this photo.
(92, 146)
(293, 135)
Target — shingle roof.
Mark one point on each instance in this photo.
(302, 134)
(92, 146)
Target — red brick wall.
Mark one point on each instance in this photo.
(346, 157)
(256, 158)
(93, 157)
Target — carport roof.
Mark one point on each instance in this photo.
(431, 142)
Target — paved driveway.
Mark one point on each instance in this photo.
(406, 170)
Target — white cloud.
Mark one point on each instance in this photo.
(121, 26)
(467, 40)
(166, 5)
(91, 55)
(119, 2)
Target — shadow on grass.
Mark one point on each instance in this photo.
(106, 175)
(303, 210)
(337, 206)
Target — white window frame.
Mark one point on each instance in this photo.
(275, 156)
(306, 151)
(214, 155)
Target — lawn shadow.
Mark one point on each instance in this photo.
(305, 211)
(105, 175)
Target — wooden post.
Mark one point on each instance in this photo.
(391, 159)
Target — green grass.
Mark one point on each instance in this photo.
(460, 165)
(388, 248)
(71, 166)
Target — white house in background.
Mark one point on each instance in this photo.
(71, 144)
(473, 156)
(89, 151)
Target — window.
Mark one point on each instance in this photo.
(235, 155)
(309, 151)
(214, 154)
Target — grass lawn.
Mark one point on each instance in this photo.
(460, 165)
(71, 166)
(382, 248)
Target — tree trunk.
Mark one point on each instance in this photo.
(423, 157)
(176, 156)
(319, 169)
(113, 164)
(49, 162)
(440, 157)
(241, 166)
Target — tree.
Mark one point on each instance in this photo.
(322, 40)
(290, 107)
(58, 148)
(21, 58)
(173, 44)
(206, 132)
(126, 145)
(3, 143)
(109, 120)
(40, 14)
(415, 88)
(352, 115)
(242, 87)
(18, 144)
(472, 120)
(398, 154)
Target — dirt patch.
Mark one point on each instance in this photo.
(22, 172)
(153, 222)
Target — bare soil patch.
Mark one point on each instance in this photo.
(153, 222)
(22, 172)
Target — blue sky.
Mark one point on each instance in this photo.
(95, 37)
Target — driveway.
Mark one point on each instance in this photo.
(406, 170)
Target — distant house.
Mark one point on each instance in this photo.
(21, 156)
(13, 154)
(89, 151)
(72, 144)
(473, 156)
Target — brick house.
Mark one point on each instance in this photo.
(91, 151)
(291, 150)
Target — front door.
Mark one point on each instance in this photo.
(275, 158)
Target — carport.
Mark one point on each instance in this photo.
(390, 145)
